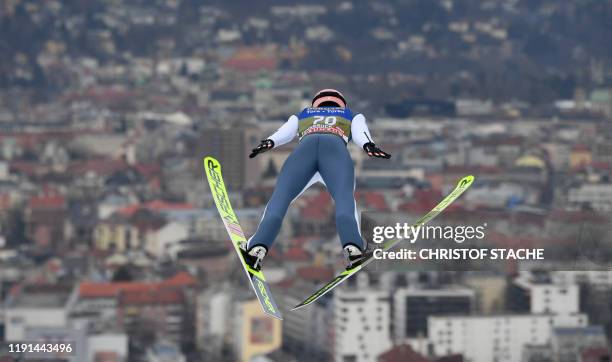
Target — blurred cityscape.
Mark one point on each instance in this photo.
(109, 236)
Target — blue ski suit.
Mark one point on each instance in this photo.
(321, 156)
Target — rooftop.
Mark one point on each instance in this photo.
(47, 202)
(40, 296)
(402, 353)
(112, 289)
(151, 296)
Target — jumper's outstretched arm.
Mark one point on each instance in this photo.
(283, 135)
(286, 132)
(362, 137)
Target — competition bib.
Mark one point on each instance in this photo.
(325, 120)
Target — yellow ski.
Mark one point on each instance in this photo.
(462, 185)
(256, 277)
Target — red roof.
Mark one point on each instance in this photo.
(316, 207)
(422, 201)
(373, 199)
(402, 353)
(155, 205)
(129, 210)
(315, 273)
(182, 278)
(148, 169)
(580, 147)
(47, 202)
(106, 356)
(164, 205)
(112, 289)
(27, 167)
(251, 65)
(153, 296)
(312, 212)
(252, 60)
(100, 166)
(296, 254)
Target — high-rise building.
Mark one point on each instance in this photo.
(307, 332)
(362, 318)
(231, 146)
(528, 294)
(214, 318)
(412, 307)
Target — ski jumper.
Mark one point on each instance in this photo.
(320, 156)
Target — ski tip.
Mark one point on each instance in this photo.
(211, 164)
(466, 180)
(301, 305)
(210, 159)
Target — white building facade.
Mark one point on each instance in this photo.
(362, 320)
(499, 338)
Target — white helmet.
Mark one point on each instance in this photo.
(328, 98)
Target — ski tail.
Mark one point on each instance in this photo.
(462, 185)
(264, 295)
(328, 287)
(257, 279)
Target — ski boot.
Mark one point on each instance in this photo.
(254, 256)
(354, 256)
